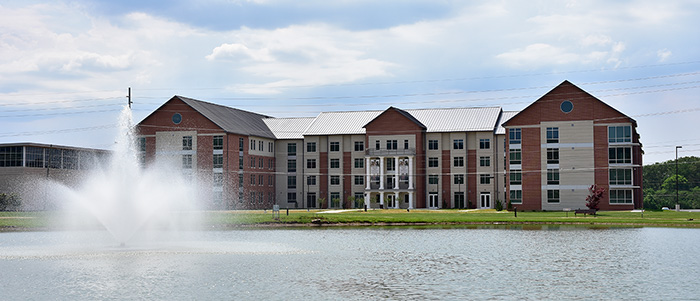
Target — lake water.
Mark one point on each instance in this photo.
(482, 263)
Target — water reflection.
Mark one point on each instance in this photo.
(529, 262)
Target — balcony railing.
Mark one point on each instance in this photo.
(390, 152)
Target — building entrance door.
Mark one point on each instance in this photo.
(433, 200)
(485, 200)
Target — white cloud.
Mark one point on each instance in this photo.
(536, 55)
(663, 54)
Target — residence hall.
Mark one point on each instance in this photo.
(542, 158)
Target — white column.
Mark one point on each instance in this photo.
(381, 173)
(396, 172)
(367, 172)
(396, 200)
(381, 200)
(410, 200)
(367, 199)
(410, 172)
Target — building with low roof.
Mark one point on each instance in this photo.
(25, 167)
(393, 158)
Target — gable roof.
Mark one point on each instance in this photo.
(505, 116)
(230, 119)
(340, 123)
(564, 83)
(402, 112)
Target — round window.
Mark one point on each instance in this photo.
(177, 118)
(567, 106)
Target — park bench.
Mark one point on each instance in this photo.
(585, 211)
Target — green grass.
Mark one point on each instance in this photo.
(17, 221)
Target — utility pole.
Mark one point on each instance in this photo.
(129, 102)
(678, 205)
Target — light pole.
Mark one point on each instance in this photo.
(678, 205)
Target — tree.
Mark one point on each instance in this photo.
(595, 194)
(9, 202)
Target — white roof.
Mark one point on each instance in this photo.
(507, 115)
(341, 123)
(288, 128)
(435, 120)
(457, 119)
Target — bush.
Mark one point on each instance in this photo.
(9, 202)
(499, 205)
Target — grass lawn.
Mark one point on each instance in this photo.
(18, 221)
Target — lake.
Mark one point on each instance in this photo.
(452, 263)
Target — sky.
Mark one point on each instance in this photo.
(65, 66)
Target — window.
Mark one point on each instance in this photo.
(405, 144)
(187, 161)
(311, 147)
(291, 197)
(270, 164)
(484, 143)
(552, 156)
(552, 135)
(359, 180)
(261, 145)
(484, 179)
(433, 162)
(459, 199)
(552, 196)
(376, 145)
(252, 162)
(291, 182)
(458, 161)
(311, 200)
(458, 144)
(269, 180)
(240, 181)
(218, 142)
(620, 134)
(335, 180)
(515, 156)
(291, 149)
(240, 144)
(390, 164)
(240, 162)
(335, 199)
(390, 181)
(392, 144)
(359, 163)
(270, 147)
(311, 180)
(620, 155)
(291, 165)
(514, 136)
(252, 197)
(142, 144)
(458, 179)
(432, 144)
(516, 177)
(552, 177)
(335, 163)
(621, 196)
(35, 156)
(433, 179)
(621, 176)
(261, 180)
(252, 144)
(310, 163)
(516, 196)
(261, 163)
(187, 143)
(359, 146)
(484, 161)
(218, 161)
(335, 146)
(252, 179)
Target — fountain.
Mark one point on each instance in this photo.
(125, 197)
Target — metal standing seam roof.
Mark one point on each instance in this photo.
(230, 119)
(341, 123)
(289, 128)
(435, 120)
(507, 115)
(458, 119)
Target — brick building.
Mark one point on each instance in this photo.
(419, 158)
